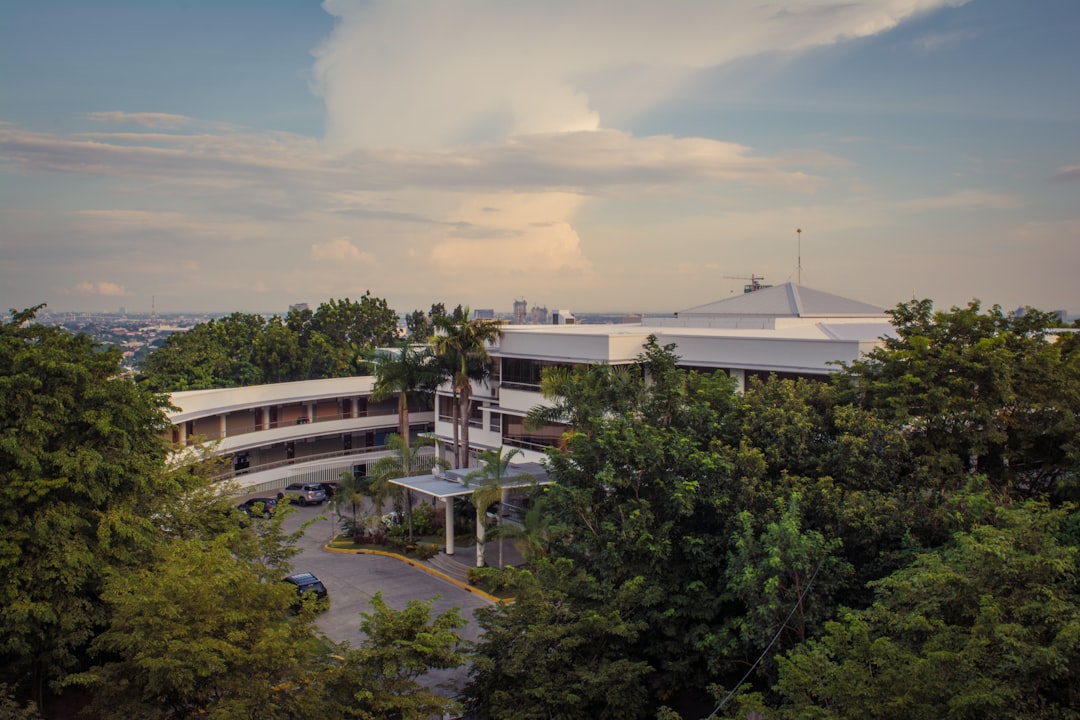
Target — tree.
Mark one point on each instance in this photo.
(341, 333)
(977, 392)
(382, 678)
(201, 631)
(353, 493)
(405, 461)
(402, 372)
(492, 475)
(81, 467)
(984, 627)
(644, 495)
(771, 573)
(547, 655)
(464, 343)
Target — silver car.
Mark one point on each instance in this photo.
(306, 493)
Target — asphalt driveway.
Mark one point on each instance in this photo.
(352, 579)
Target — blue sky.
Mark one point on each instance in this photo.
(631, 155)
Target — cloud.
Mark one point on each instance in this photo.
(339, 249)
(145, 119)
(972, 198)
(1068, 174)
(564, 65)
(109, 289)
(583, 161)
(527, 235)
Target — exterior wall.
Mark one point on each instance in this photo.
(241, 422)
(238, 421)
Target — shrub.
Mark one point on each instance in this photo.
(491, 579)
(426, 551)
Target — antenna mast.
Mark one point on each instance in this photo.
(798, 232)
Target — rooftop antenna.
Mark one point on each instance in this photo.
(798, 232)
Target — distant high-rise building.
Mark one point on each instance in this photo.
(483, 314)
(520, 310)
(563, 317)
(539, 315)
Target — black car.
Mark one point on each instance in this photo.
(329, 489)
(267, 504)
(305, 583)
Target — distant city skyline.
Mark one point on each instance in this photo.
(594, 155)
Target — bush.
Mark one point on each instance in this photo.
(426, 551)
(423, 519)
(491, 579)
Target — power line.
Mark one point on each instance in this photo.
(796, 606)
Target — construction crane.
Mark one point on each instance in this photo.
(755, 282)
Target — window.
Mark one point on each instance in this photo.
(525, 374)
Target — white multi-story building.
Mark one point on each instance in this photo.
(288, 432)
(314, 430)
(788, 330)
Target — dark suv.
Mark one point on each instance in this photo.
(306, 493)
(266, 505)
(305, 583)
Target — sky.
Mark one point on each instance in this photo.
(596, 156)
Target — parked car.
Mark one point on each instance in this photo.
(265, 505)
(306, 582)
(329, 488)
(306, 493)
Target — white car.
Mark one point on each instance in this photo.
(305, 493)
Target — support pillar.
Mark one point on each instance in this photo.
(449, 525)
(221, 426)
(740, 379)
(479, 537)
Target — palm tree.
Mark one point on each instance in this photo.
(493, 476)
(405, 462)
(352, 494)
(464, 343)
(402, 371)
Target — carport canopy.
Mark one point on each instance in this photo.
(449, 484)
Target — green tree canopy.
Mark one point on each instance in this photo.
(383, 678)
(240, 349)
(81, 467)
(987, 626)
(977, 392)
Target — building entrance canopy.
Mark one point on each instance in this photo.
(449, 484)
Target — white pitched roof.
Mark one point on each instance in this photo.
(787, 300)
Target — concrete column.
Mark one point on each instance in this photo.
(310, 412)
(183, 433)
(355, 406)
(479, 537)
(449, 525)
(740, 379)
(221, 426)
(264, 417)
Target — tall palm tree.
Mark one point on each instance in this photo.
(464, 342)
(493, 474)
(402, 371)
(405, 462)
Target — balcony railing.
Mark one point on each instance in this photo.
(229, 475)
(234, 429)
(539, 444)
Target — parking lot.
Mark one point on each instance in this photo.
(352, 579)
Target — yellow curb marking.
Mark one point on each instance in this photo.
(425, 568)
